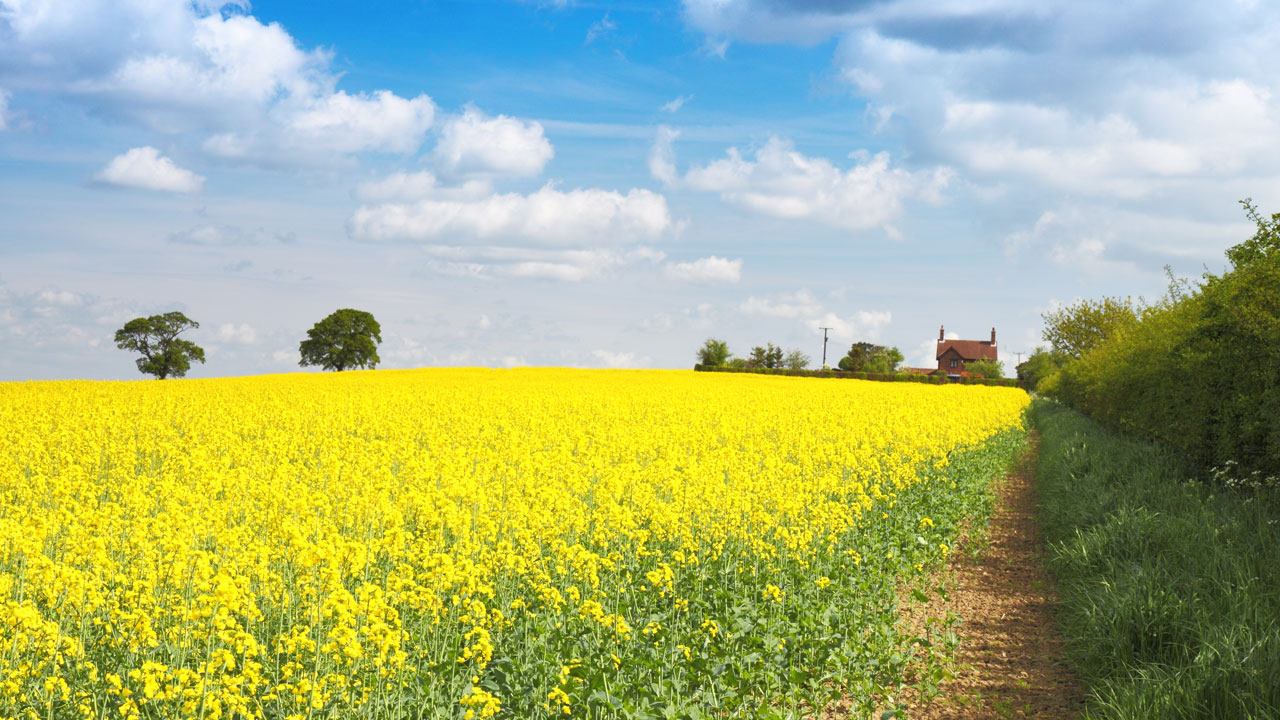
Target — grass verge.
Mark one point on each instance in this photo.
(1170, 587)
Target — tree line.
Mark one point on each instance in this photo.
(862, 357)
(1197, 371)
(344, 340)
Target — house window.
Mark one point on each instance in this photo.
(954, 363)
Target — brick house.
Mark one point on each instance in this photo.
(953, 354)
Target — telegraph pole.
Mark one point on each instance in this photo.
(1019, 354)
(824, 345)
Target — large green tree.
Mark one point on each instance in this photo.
(869, 357)
(713, 352)
(346, 339)
(1078, 328)
(163, 353)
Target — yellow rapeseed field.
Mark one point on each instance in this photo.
(469, 543)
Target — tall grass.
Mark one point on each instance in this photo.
(1170, 587)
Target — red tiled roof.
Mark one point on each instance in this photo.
(968, 349)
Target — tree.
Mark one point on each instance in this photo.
(1078, 328)
(869, 357)
(765, 357)
(156, 337)
(713, 353)
(1040, 365)
(796, 360)
(346, 339)
(986, 368)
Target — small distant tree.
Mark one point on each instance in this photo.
(163, 353)
(769, 356)
(796, 360)
(986, 368)
(1041, 364)
(346, 339)
(713, 352)
(737, 363)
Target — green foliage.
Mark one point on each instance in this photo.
(1199, 371)
(869, 357)
(796, 360)
(346, 339)
(156, 337)
(1168, 586)
(713, 352)
(1042, 363)
(765, 357)
(1078, 328)
(985, 368)
(739, 365)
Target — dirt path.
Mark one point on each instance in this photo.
(1010, 662)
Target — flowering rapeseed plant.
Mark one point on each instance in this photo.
(467, 543)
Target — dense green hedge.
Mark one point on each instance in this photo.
(1200, 372)
(1169, 587)
(880, 377)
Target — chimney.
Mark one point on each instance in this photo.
(941, 337)
(993, 336)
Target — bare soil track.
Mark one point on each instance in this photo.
(1010, 661)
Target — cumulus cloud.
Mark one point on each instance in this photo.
(207, 68)
(708, 269)
(805, 307)
(620, 360)
(147, 169)
(547, 216)
(55, 332)
(475, 144)
(1111, 105)
(242, 334)
(662, 156)
(782, 182)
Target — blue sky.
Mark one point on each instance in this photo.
(604, 184)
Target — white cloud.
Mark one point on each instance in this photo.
(405, 187)
(576, 265)
(859, 326)
(813, 315)
(675, 104)
(708, 269)
(799, 304)
(242, 334)
(662, 156)
(4, 109)
(547, 216)
(147, 169)
(599, 28)
(784, 183)
(60, 298)
(475, 144)
(211, 235)
(404, 352)
(620, 360)
(181, 68)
